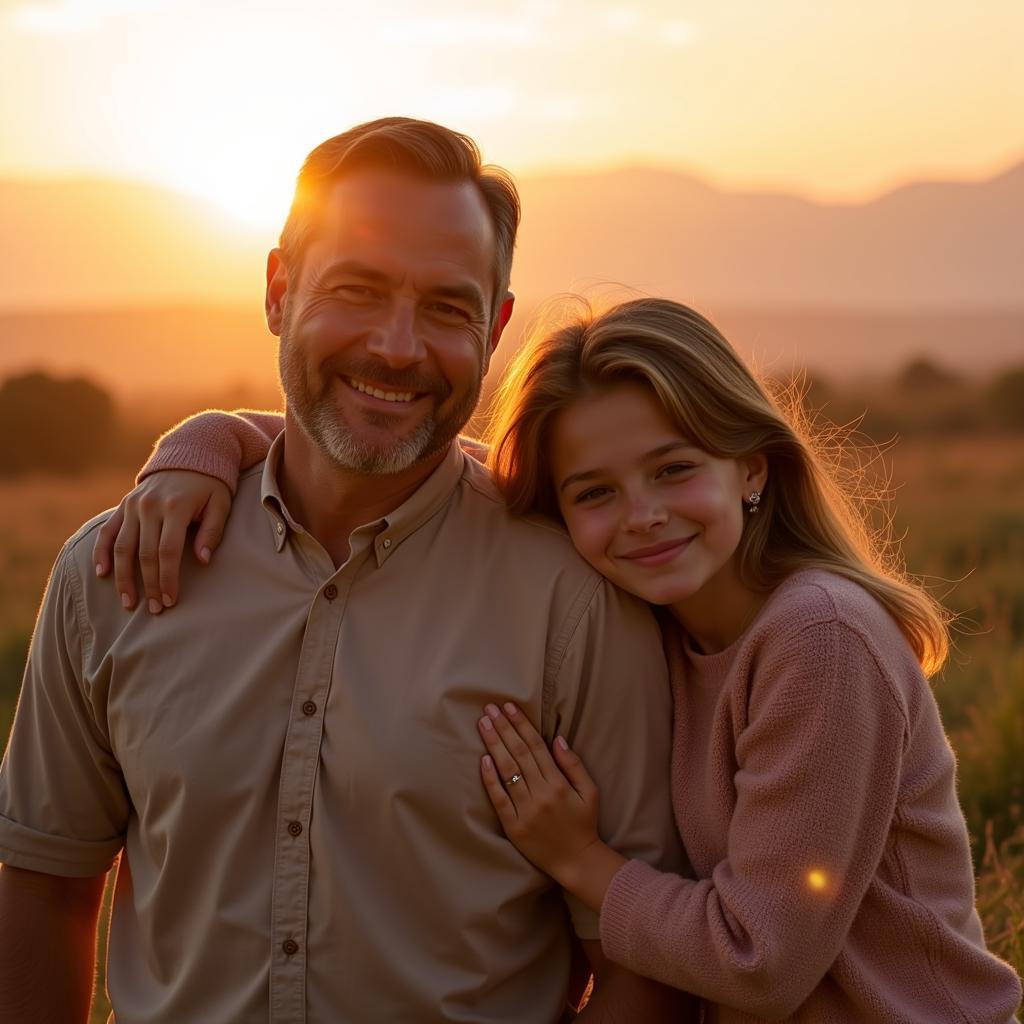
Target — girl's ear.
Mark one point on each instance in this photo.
(755, 472)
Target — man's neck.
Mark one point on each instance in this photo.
(331, 502)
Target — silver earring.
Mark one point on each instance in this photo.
(754, 500)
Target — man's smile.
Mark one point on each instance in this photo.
(366, 388)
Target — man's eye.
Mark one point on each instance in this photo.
(446, 311)
(359, 293)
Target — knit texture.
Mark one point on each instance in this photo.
(219, 444)
(815, 793)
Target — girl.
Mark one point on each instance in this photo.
(813, 785)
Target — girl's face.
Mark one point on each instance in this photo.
(656, 515)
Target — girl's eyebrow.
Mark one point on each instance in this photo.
(593, 474)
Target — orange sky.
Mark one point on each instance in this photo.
(222, 98)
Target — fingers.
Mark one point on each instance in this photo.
(160, 574)
(126, 544)
(496, 791)
(151, 524)
(103, 549)
(511, 773)
(211, 524)
(523, 729)
(575, 771)
(149, 559)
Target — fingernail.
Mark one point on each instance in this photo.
(154, 606)
(485, 723)
(126, 601)
(488, 763)
(205, 554)
(561, 742)
(166, 600)
(511, 709)
(492, 710)
(99, 568)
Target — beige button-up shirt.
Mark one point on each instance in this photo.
(288, 762)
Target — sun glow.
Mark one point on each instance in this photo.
(251, 200)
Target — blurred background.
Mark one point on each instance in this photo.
(840, 187)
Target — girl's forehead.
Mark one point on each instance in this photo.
(624, 422)
(626, 403)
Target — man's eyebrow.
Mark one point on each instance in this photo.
(594, 474)
(355, 269)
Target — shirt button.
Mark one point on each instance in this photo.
(309, 708)
(290, 947)
(295, 828)
(330, 591)
(387, 543)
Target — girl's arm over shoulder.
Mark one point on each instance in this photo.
(190, 478)
(218, 444)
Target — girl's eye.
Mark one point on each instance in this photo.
(675, 468)
(592, 495)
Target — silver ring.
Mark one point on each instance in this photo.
(513, 780)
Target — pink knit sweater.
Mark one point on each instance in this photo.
(815, 792)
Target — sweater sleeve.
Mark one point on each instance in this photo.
(219, 444)
(817, 777)
(222, 444)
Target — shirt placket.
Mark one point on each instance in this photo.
(299, 765)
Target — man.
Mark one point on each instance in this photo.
(288, 762)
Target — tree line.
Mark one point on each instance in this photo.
(70, 425)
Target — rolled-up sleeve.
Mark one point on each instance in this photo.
(613, 704)
(63, 803)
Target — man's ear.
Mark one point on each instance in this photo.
(277, 290)
(500, 323)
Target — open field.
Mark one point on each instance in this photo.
(959, 507)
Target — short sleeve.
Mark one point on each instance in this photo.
(63, 803)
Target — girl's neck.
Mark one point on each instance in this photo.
(718, 614)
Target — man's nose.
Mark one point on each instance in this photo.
(396, 340)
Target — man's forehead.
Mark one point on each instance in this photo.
(383, 204)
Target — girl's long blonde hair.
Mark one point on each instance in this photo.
(806, 518)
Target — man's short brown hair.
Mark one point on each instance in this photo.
(421, 148)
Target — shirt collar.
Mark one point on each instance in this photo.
(393, 528)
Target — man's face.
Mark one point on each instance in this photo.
(386, 333)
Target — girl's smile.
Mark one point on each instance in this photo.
(646, 507)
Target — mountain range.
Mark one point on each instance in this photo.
(104, 272)
(927, 246)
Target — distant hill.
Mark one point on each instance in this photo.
(929, 246)
(936, 246)
(147, 290)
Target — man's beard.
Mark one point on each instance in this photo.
(308, 393)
